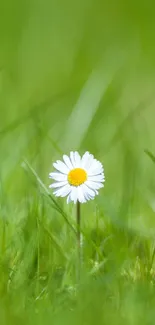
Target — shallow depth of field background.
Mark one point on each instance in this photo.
(77, 75)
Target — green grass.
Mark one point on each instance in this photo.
(77, 75)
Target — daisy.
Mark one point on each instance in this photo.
(78, 178)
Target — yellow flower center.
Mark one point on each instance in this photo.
(77, 176)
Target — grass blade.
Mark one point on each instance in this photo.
(55, 205)
(150, 154)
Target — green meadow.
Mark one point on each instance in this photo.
(77, 75)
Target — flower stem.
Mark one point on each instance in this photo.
(78, 220)
(3, 238)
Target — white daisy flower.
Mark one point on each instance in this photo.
(78, 178)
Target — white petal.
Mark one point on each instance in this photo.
(90, 162)
(96, 178)
(58, 184)
(58, 177)
(77, 159)
(72, 159)
(85, 193)
(61, 167)
(95, 172)
(80, 194)
(88, 191)
(74, 194)
(88, 197)
(69, 198)
(84, 159)
(63, 191)
(87, 160)
(94, 185)
(67, 161)
(95, 168)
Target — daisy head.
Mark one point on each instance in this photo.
(78, 178)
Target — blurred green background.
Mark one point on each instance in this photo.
(77, 75)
